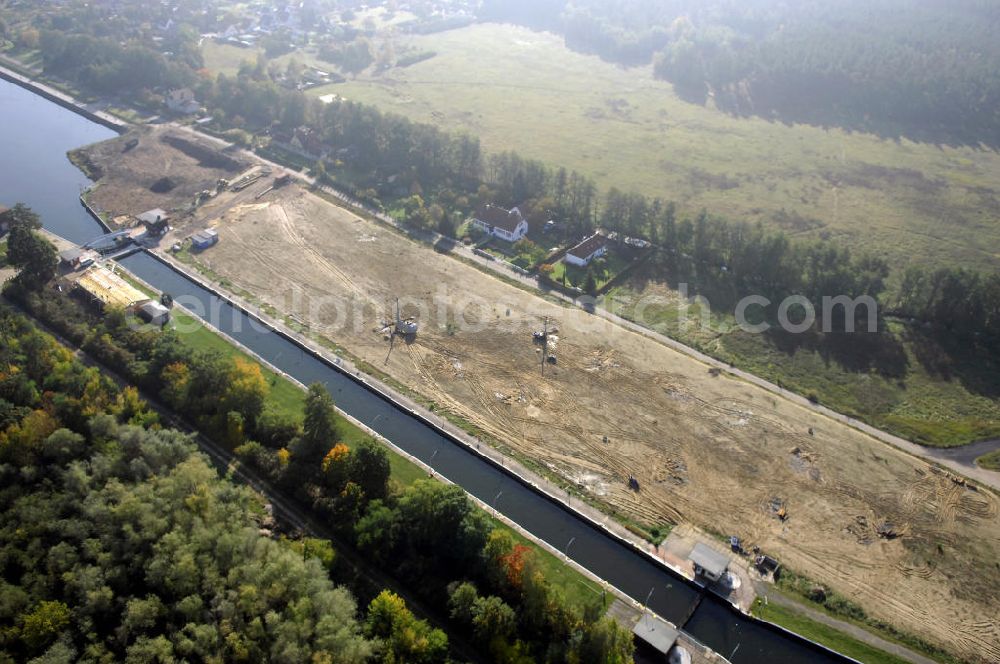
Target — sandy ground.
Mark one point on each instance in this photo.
(708, 450)
(132, 170)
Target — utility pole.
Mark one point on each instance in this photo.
(545, 344)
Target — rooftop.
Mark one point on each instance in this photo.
(152, 216)
(713, 562)
(70, 255)
(587, 248)
(110, 289)
(656, 632)
(500, 217)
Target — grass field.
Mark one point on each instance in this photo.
(990, 461)
(225, 58)
(282, 394)
(522, 90)
(824, 634)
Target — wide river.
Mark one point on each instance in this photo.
(35, 135)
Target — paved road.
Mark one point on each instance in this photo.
(965, 454)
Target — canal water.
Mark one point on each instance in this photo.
(35, 135)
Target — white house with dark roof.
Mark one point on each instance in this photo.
(182, 100)
(505, 224)
(593, 247)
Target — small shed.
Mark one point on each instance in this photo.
(154, 313)
(77, 257)
(655, 633)
(204, 239)
(708, 562)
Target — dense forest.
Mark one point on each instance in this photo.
(923, 69)
(120, 543)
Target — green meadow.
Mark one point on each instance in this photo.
(525, 91)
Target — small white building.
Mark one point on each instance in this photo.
(593, 247)
(154, 313)
(708, 563)
(182, 100)
(505, 224)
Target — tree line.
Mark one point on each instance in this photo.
(443, 177)
(432, 535)
(728, 259)
(924, 69)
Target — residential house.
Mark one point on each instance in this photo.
(303, 140)
(182, 100)
(308, 142)
(505, 224)
(593, 247)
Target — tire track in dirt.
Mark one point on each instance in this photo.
(309, 250)
(662, 416)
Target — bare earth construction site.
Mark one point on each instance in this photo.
(907, 541)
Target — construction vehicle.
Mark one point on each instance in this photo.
(404, 327)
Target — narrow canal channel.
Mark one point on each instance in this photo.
(34, 137)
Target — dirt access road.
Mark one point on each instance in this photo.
(959, 459)
(891, 532)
